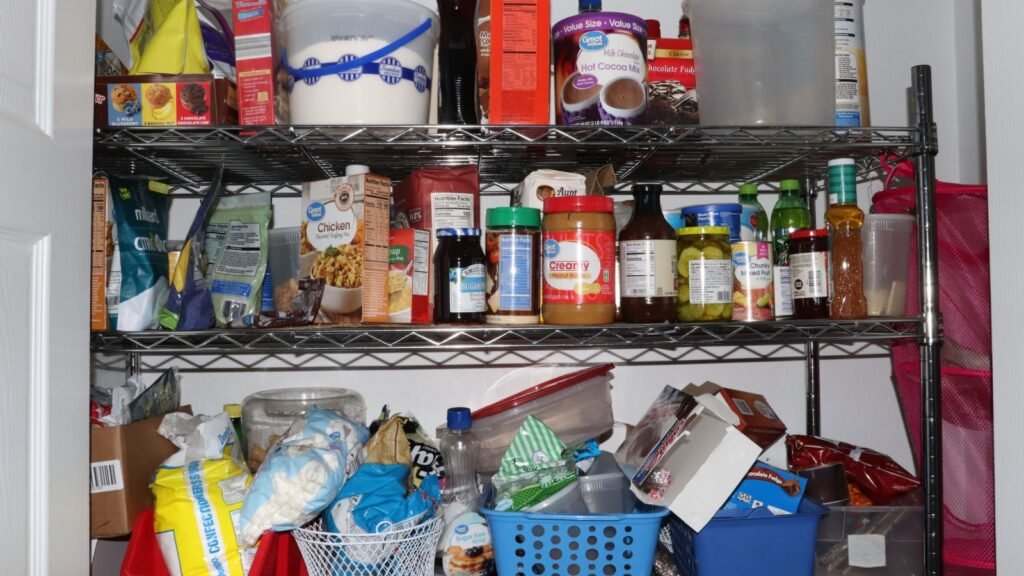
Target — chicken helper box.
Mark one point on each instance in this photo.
(694, 447)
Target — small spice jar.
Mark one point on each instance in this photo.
(459, 274)
(513, 265)
(705, 274)
(808, 264)
(579, 260)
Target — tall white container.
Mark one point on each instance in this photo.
(852, 105)
(767, 62)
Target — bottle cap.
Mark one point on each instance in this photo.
(653, 28)
(842, 181)
(748, 189)
(513, 216)
(787, 185)
(590, 6)
(702, 230)
(459, 419)
(455, 232)
(562, 204)
(233, 410)
(648, 188)
(808, 233)
(356, 169)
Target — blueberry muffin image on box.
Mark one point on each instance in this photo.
(122, 95)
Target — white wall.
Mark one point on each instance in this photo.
(858, 402)
(1003, 84)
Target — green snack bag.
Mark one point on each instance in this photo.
(532, 469)
(237, 241)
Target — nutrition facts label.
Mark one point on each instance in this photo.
(710, 281)
(451, 210)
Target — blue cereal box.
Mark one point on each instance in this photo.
(765, 485)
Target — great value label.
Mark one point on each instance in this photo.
(579, 267)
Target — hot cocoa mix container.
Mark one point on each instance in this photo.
(600, 69)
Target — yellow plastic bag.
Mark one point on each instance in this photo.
(199, 499)
(171, 41)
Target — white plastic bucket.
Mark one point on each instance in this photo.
(769, 62)
(391, 43)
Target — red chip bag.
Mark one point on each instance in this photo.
(877, 475)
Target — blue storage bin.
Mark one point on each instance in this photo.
(749, 542)
(578, 545)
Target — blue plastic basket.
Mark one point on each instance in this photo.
(749, 542)
(586, 545)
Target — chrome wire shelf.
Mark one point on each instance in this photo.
(283, 156)
(374, 339)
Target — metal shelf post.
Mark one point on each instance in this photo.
(931, 344)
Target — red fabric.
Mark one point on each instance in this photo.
(965, 302)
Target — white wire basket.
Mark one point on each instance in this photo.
(405, 552)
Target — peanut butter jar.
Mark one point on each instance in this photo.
(579, 260)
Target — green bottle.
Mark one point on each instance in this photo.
(754, 218)
(790, 214)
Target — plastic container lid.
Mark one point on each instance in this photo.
(748, 189)
(541, 390)
(808, 233)
(841, 162)
(561, 204)
(233, 410)
(513, 216)
(653, 27)
(730, 207)
(889, 222)
(459, 419)
(702, 230)
(457, 232)
(789, 185)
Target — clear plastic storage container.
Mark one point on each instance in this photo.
(764, 61)
(267, 415)
(887, 239)
(576, 406)
(871, 541)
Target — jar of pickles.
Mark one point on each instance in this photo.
(705, 274)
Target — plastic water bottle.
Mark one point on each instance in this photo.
(461, 450)
(754, 220)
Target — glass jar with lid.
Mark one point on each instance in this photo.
(459, 277)
(809, 271)
(705, 274)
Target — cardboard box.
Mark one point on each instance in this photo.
(344, 241)
(694, 447)
(154, 100)
(122, 460)
(409, 285)
(102, 251)
(671, 81)
(779, 490)
(520, 66)
(262, 100)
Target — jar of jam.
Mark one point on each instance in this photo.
(513, 265)
(705, 274)
(579, 260)
(808, 264)
(459, 274)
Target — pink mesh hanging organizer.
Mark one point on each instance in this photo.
(965, 301)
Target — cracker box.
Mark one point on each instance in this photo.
(409, 277)
(154, 100)
(262, 100)
(694, 447)
(518, 56)
(101, 253)
(778, 490)
(344, 241)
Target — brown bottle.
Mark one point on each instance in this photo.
(647, 261)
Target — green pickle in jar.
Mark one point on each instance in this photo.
(705, 274)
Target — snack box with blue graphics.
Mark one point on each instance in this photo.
(766, 486)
